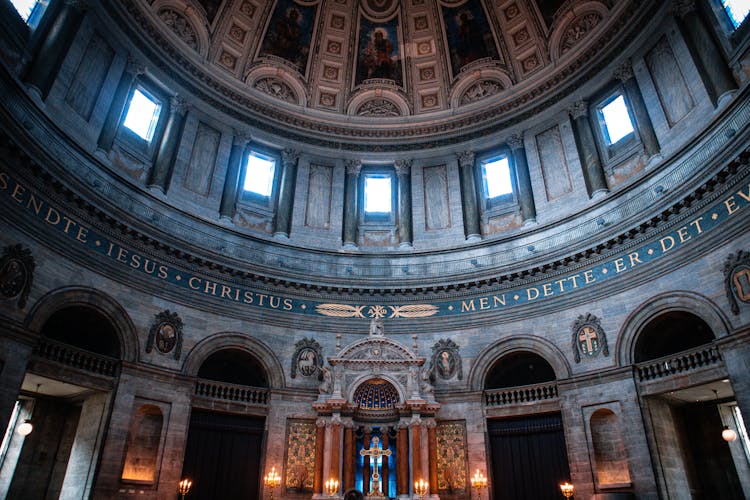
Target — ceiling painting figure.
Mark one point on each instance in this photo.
(289, 33)
(379, 55)
(469, 35)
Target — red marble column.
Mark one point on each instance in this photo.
(432, 457)
(320, 443)
(384, 478)
(335, 452)
(416, 452)
(349, 459)
(402, 462)
(366, 466)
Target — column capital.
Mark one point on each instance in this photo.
(624, 70)
(415, 420)
(178, 105)
(402, 167)
(135, 67)
(353, 167)
(465, 158)
(681, 8)
(321, 421)
(289, 155)
(430, 423)
(241, 139)
(515, 141)
(578, 108)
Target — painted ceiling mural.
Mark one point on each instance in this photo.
(345, 55)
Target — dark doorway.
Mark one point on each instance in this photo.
(223, 455)
(529, 457)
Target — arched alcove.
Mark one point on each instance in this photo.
(610, 459)
(83, 327)
(141, 458)
(376, 399)
(671, 332)
(519, 368)
(234, 366)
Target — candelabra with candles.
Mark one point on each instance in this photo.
(184, 488)
(332, 487)
(421, 487)
(567, 489)
(478, 481)
(272, 480)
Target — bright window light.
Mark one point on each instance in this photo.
(737, 10)
(30, 10)
(142, 115)
(259, 174)
(377, 194)
(497, 177)
(617, 122)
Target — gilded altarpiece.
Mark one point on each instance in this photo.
(300, 455)
(451, 457)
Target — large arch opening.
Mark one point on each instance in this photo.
(234, 366)
(519, 368)
(669, 333)
(85, 328)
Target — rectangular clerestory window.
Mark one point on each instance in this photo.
(378, 197)
(614, 119)
(259, 174)
(614, 125)
(31, 11)
(142, 114)
(496, 174)
(736, 10)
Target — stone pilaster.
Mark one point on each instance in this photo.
(403, 173)
(469, 203)
(525, 191)
(161, 173)
(232, 179)
(283, 223)
(591, 164)
(351, 196)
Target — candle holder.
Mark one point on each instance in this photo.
(184, 488)
(272, 480)
(421, 487)
(478, 481)
(332, 487)
(567, 489)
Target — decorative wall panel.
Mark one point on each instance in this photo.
(451, 456)
(300, 455)
(670, 83)
(554, 166)
(436, 206)
(318, 213)
(89, 77)
(200, 170)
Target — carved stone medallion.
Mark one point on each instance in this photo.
(589, 338)
(446, 361)
(307, 359)
(165, 334)
(737, 279)
(16, 273)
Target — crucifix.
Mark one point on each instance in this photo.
(376, 453)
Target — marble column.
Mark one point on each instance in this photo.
(403, 172)
(643, 125)
(351, 199)
(525, 191)
(320, 444)
(232, 179)
(469, 204)
(366, 462)
(161, 173)
(402, 462)
(593, 173)
(432, 455)
(45, 65)
(385, 471)
(283, 222)
(335, 468)
(415, 430)
(705, 51)
(118, 104)
(347, 481)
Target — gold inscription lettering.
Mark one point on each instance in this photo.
(731, 205)
(667, 243)
(532, 293)
(484, 303)
(588, 276)
(498, 299)
(17, 193)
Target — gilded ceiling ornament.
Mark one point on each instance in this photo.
(276, 88)
(166, 334)
(180, 25)
(307, 359)
(737, 279)
(480, 90)
(16, 273)
(589, 338)
(378, 107)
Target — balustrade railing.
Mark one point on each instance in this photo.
(76, 358)
(231, 392)
(521, 394)
(678, 363)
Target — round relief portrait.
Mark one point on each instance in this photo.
(166, 337)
